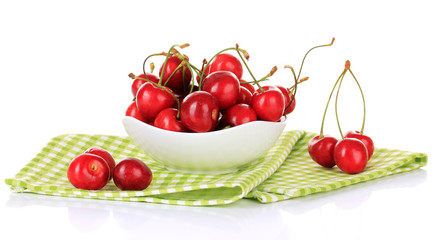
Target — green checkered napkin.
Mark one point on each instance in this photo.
(286, 171)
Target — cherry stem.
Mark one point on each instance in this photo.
(201, 77)
(253, 82)
(363, 99)
(144, 62)
(173, 73)
(246, 65)
(295, 87)
(165, 64)
(336, 104)
(304, 58)
(321, 134)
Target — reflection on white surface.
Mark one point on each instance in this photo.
(338, 213)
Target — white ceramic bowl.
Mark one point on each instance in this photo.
(212, 152)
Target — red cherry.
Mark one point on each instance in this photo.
(240, 114)
(106, 156)
(199, 111)
(247, 86)
(136, 84)
(245, 96)
(179, 82)
(350, 155)
(88, 171)
(224, 86)
(321, 150)
(151, 99)
(167, 120)
(132, 174)
(364, 139)
(226, 62)
(287, 99)
(269, 105)
(132, 111)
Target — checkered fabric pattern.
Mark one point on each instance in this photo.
(286, 171)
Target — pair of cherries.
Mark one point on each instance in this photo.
(93, 169)
(353, 151)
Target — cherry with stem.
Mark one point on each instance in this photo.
(368, 142)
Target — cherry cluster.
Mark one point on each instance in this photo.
(353, 151)
(184, 98)
(93, 169)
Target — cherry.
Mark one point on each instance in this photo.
(88, 171)
(132, 111)
(106, 156)
(240, 114)
(356, 134)
(226, 62)
(268, 104)
(151, 99)
(287, 99)
(364, 139)
(180, 80)
(350, 155)
(168, 119)
(224, 86)
(321, 150)
(199, 111)
(140, 80)
(245, 96)
(247, 86)
(132, 174)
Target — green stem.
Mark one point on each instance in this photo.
(363, 99)
(252, 82)
(304, 58)
(295, 92)
(336, 105)
(144, 62)
(252, 75)
(201, 77)
(321, 134)
(173, 73)
(165, 64)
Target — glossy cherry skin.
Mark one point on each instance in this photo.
(88, 171)
(287, 100)
(239, 114)
(268, 105)
(247, 86)
(224, 86)
(132, 174)
(136, 84)
(350, 155)
(321, 150)
(106, 156)
(226, 62)
(369, 144)
(167, 120)
(132, 111)
(151, 99)
(199, 111)
(180, 80)
(245, 96)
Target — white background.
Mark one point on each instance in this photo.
(64, 67)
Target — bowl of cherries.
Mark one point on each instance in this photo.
(207, 119)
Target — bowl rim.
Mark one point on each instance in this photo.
(236, 128)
